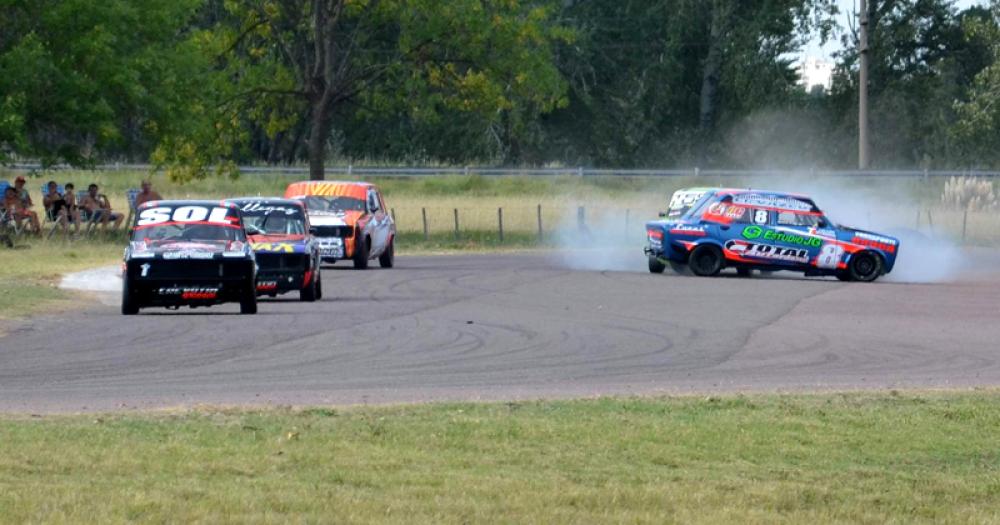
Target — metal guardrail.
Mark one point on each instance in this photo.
(416, 171)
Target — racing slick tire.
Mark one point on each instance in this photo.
(656, 265)
(744, 271)
(130, 305)
(319, 283)
(248, 304)
(864, 267)
(706, 260)
(361, 251)
(388, 257)
(310, 293)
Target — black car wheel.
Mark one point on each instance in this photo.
(319, 283)
(864, 267)
(248, 304)
(655, 264)
(130, 305)
(361, 251)
(388, 257)
(706, 260)
(309, 293)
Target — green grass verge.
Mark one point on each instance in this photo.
(868, 458)
(30, 273)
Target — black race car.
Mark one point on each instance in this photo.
(192, 253)
(287, 254)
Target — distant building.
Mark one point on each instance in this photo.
(816, 73)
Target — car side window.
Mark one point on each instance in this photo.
(787, 218)
(749, 215)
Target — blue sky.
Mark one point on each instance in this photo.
(846, 8)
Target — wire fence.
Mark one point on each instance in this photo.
(421, 171)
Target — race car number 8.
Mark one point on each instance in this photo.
(760, 217)
(181, 214)
(829, 256)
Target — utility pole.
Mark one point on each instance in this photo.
(864, 152)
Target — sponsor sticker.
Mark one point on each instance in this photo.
(767, 251)
(188, 254)
(767, 234)
(190, 293)
(682, 229)
(889, 246)
(276, 247)
(725, 210)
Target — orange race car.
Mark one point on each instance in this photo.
(349, 221)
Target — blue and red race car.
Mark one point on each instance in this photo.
(768, 231)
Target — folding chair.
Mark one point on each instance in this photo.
(131, 195)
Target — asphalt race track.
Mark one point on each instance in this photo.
(512, 326)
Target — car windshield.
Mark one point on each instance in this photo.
(188, 223)
(275, 219)
(320, 203)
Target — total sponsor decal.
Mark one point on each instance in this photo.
(874, 241)
(772, 201)
(655, 238)
(682, 229)
(767, 251)
(756, 232)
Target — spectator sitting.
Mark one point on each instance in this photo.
(147, 194)
(99, 208)
(72, 209)
(56, 206)
(22, 192)
(18, 211)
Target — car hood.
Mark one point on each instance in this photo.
(335, 218)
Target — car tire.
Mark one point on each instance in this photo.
(864, 267)
(744, 271)
(361, 251)
(130, 305)
(308, 294)
(248, 305)
(706, 260)
(319, 284)
(655, 264)
(388, 257)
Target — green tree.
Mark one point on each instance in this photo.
(305, 63)
(977, 129)
(79, 83)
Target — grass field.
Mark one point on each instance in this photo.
(858, 458)
(30, 273)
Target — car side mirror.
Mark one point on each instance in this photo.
(822, 224)
(662, 214)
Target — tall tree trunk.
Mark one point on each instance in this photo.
(711, 74)
(317, 140)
